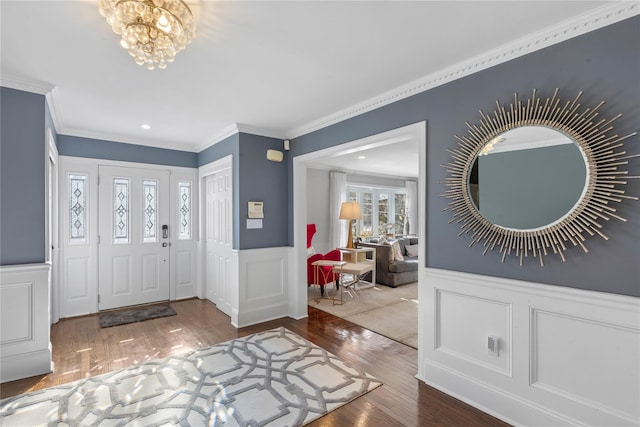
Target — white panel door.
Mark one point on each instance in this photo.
(134, 250)
(219, 244)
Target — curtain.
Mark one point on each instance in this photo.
(411, 188)
(337, 195)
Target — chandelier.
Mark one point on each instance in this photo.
(153, 31)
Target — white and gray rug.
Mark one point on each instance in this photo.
(392, 312)
(273, 378)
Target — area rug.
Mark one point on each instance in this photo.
(141, 314)
(392, 312)
(273, 378)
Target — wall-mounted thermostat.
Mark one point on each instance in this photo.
(255, 210)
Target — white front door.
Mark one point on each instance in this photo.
(219, 242)
(134, 246)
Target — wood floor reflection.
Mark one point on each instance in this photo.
(81, 349)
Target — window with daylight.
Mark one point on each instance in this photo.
(383, 210)
(184, 210)
(78, 208)
(120, 210)
(149, 213)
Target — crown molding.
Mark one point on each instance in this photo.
(256, 130)
(235, 128)
(549, 36)
(26, 84)
(225, 133)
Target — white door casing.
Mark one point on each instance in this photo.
(134, 266)
(52, 249)
(219, 239)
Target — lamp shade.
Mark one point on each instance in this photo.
(350, 210)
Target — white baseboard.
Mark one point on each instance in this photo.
(26, 365)
(566, 356)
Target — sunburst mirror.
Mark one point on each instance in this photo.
(537, 177)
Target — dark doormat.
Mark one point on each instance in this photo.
(135, 315)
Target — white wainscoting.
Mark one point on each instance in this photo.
(566, 356)
(263, 284)
(25, 345)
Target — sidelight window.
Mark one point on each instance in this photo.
(184, 210)
(78, 208)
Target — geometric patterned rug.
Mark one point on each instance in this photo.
(272, 378)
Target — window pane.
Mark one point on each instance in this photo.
(367, 214)
(383, 213)
(121, 210)
(184, 210)
(77, 208)
(149, 213)
(400, 213)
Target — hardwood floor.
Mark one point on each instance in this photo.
(81, 349)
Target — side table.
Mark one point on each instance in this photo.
(320, 276)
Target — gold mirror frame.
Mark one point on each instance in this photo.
(603, 154)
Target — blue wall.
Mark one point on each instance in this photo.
(264, 181)
(605, 64)
(75, 146)
(22, 177)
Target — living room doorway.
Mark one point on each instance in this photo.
(303, 163)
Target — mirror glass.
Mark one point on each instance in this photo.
(528, 177)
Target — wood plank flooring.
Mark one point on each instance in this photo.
(81, 349)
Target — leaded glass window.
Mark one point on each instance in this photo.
(149, 213)
(120, 210)
(78, 208)
(184, 209)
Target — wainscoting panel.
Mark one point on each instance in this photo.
(566, 356)
(463, 324)
(578, 341)
(17, 319)
(263, 285)
(25, 348)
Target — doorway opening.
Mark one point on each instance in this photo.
(305, 162)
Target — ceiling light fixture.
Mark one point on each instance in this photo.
(153, 31)
(145, 126)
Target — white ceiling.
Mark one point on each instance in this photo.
(272, 68)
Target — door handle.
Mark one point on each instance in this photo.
(165, 244)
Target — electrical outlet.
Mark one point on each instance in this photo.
(493, 345)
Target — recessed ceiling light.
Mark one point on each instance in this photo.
(145, 126)
(362, 157)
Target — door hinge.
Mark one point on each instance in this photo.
(98, 179)
(98, 298)
(98, 239)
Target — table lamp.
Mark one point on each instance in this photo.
(350, 211)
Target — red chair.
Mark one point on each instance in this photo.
(326, 274)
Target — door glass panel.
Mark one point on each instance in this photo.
(149, 214)
(121, 210)
(184, 210)
(77, 208)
